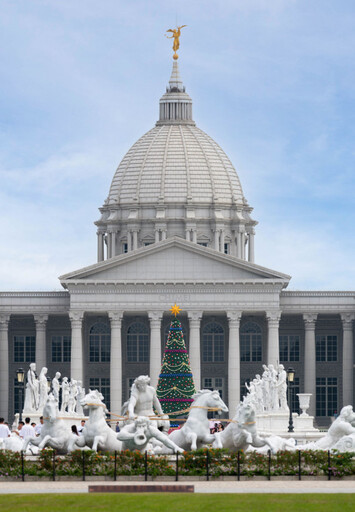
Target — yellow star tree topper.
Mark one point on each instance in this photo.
(175, 309)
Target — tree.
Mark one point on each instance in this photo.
(176, 385)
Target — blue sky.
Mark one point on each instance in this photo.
(272, 81)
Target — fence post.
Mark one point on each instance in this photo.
(83, 460)
(22, 467)
(145, 466)
(238, 460)
(329, 469)
(177, 467)
(53, 465)
(299, 464)
(207, 467)
(269, 465)
(115, 470)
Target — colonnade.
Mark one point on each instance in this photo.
(195, 317)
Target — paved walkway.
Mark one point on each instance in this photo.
(286, 486)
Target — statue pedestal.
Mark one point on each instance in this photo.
(71, 419)
(276, 424)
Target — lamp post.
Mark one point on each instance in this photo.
(20, 375)
(290, 379)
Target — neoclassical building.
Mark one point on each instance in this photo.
(176, 227)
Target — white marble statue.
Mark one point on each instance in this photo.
(241, 432)
(196, 431)
(96, 434)
(55, 432)
(43, 388)
(32, 390)
(56, 386)
(281, 388)
(273, 396)
(265, 387)
(142, 402)
(65, 394)
(338, 435)
(138, 434)
(73, 393)
(80, 396)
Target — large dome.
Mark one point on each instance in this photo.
(176, 181)
(176, 164)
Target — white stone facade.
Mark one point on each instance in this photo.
(177, 228)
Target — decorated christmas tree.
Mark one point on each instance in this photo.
(176, 385)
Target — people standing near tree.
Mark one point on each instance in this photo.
(27, 430)
(4, 429)
(38, 427)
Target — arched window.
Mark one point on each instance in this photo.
(250, 342)
(137, 343)
(213, 343)
(99, 343)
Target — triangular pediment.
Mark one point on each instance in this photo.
(174, 260)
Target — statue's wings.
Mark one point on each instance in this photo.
(170, 30)
(182, 26)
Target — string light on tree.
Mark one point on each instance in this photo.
(176, 385)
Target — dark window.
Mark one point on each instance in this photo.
(250, 342)
(99, 343)
(102, 384)
(226, 248)
(203, 244)
(294, 389)
(137, 343)
(124, 248)
(61, 349)
(213, 343)
(326, 348)
(213, 383)
(24, 349)
(289, 347)
(326, 396)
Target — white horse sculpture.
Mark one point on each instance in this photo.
(97, 434)
(241, 432)
(196, 431)
(55, 432)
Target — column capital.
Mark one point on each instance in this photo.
(347, 320)
(234, 318)
(155, 318)
(310, 320)
(76, 317)
(40, 321)
(115, 318)
(194, 316)
(273, 316)
(4, 321)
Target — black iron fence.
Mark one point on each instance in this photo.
(208, 464)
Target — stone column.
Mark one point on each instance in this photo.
(116, 361)
(41, 349)
(129, 241)
(216, 239)
(195, 346)
(233, 361)
(155, 346)
(163, 234)
(310, 359)
(113, 244)
(109, 244)
(239, 244)
(194, 236)
(273, 352)
(187, 235)
(100, 246)
(348, 358)
(251, 247)
(76, 365)
(4, 365)
(221, 242)
(156, 235)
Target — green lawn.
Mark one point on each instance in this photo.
(178, 502)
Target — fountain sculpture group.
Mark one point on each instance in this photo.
(145, 427)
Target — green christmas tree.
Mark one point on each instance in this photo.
(176, 385)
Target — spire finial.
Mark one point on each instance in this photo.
(176, 33)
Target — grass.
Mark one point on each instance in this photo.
(177, 502)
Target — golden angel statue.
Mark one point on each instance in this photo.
(176, 32)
